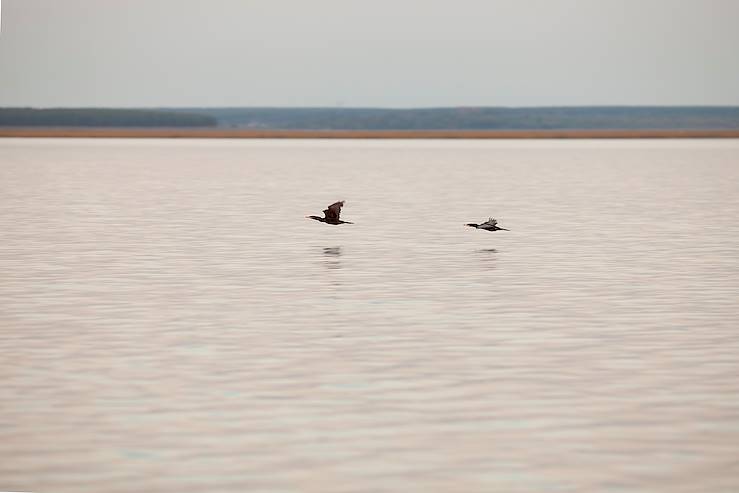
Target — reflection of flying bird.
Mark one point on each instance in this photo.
(489, 225)
(331, 214)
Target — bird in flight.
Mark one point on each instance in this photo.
(331, 214)
(489, 225)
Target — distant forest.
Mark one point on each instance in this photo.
(484, 118)
(101, 117)
(465, 118)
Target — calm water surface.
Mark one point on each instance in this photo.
(171, 322)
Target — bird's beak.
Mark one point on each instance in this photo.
(504, 229)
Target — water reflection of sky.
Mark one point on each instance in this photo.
(191, 329)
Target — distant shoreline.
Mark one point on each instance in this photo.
(224, 133)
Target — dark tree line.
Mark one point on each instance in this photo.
(480, 118)
(467, 118)
(101, 117)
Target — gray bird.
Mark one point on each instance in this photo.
(489, 225)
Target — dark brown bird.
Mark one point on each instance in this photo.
(331, 214)
(489, 225)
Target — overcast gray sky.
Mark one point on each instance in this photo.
(389, 53)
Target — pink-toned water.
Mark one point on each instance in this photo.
(170, 321)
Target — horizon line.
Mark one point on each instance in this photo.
(387, 108)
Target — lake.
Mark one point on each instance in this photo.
(171, 321)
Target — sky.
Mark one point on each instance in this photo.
(360, 53)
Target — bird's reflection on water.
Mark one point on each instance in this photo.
(332, 256)
(488, 256)
(332, 251)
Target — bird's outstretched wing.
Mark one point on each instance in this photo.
(333, 211)
(490, 222)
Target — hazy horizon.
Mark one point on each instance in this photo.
(332, 53)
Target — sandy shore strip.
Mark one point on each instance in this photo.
(220, 133)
